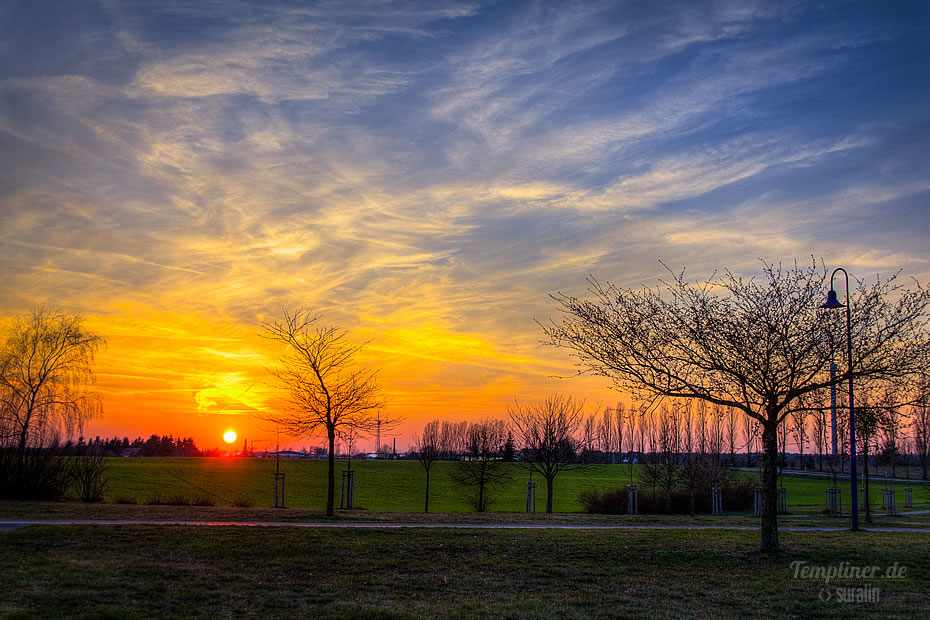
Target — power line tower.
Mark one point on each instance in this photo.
(378, 436)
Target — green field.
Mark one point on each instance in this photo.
(399, 485)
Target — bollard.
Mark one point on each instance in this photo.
(531, 496)
(888, 498)
(717, 501)
(632, 500)
(279, 490)
(908, 497)
(782, 500)
(758, 501)
(834, 502)
(347, 494)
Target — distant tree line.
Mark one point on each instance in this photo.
(155, 445)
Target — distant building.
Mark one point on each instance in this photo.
(131, 452)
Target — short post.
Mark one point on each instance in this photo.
(908, 497)
(757, 493)
(279, 490)
(891, 508)
(834, 502)
(782, 500)
(531, 496)
(717, 501)
(348, 489)
(632, 500)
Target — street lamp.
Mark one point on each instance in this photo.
(832, 303)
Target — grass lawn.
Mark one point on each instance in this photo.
(177, 571)
(398, 485)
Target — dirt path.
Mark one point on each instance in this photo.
(12, 525)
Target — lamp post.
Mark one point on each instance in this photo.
(832, 303)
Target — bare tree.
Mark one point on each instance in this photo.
(481, 470)
(820, 428)
(325, 388)
(454, 435)
(731, 425)
(428, 448)
(798, 429)
(921, 428)
(662, 469)
(546, 431)
(755, 345)
(46, 369)
(620, 419)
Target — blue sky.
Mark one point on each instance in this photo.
(439, 168)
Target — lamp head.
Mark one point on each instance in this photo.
(832, 301)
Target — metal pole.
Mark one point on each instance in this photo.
(833, 408)
(852, 411)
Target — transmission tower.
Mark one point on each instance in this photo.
(378, 436)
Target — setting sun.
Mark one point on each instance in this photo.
(229, 436)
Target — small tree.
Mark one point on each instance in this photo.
(325, 389)
(547, 432)
(428, 448)
(481, 470)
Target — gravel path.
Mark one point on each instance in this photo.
(12, 525)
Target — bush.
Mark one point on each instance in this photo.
(37, 474)
(242, 502)
(124, 499)
(202, 500)
(89, 480)
(736, 496)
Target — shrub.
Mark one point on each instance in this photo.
(736, 496)
(242, 502)
(124, 499)
(89, 480)
(38, 474)
(202, 500)
(606, 502)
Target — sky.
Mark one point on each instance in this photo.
(426, 174)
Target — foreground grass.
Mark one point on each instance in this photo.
(174, 571)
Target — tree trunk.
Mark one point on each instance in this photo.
(331, 485)
(426, 508)
(769, 487)
(549, 482)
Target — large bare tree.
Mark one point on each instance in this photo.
(46, 370)
(326, 390)
(546, 433)
(758, 345)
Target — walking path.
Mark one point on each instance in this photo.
(12, 525)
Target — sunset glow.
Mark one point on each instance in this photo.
(425, 175)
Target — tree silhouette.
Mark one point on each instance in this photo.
(325, 389)
(759, 346)
(46, 368)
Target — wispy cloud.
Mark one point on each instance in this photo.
(426, 173)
